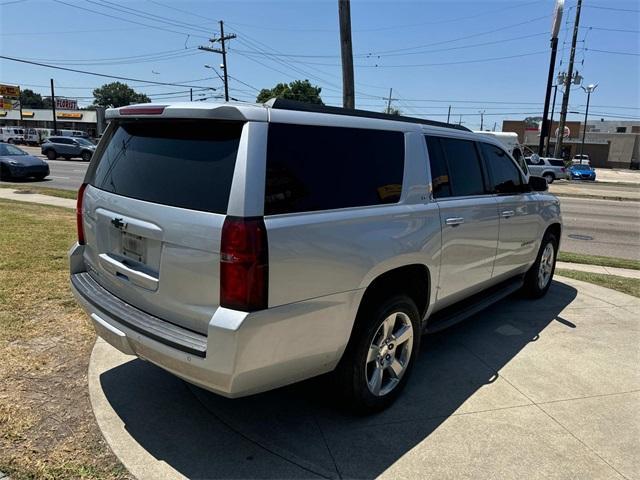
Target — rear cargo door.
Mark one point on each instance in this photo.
(153, 213)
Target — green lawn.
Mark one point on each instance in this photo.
(630, 286)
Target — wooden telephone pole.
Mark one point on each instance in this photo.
(223, 51)
(346, 50)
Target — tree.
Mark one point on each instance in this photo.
(31, 99)
(393, 111)
(532, 122)
(300, 90)
(117, 94)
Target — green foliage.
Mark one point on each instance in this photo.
(532, 122)
(117, 94)
(300, 90)
(393, 111)
(31, 99)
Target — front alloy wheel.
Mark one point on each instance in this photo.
(545, 267)
(389, 353)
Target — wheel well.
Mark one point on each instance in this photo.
(412, 280)
(556, 229)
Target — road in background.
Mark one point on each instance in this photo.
(601, 227)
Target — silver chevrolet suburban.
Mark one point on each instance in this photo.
(245, 247)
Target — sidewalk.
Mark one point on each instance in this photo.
(618, 176)
(10, 194)
(620, 272)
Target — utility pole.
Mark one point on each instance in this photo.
(53, 109)
(223, 52)
(553, 108)
(460, 121)
(567, 84)
(555, 29)
(481, 112)
(191, 94)
(389, 101)
(449, 114)
(495, 124)
(346, 51)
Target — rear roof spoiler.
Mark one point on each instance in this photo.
(181, 110)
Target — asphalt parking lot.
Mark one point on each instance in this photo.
(543, 389)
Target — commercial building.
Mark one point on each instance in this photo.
(90, 121)
(609, 144)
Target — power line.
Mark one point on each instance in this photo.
(95, 74)
(615, 9)
(157, 27)
(612, 52)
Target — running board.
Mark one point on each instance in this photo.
(453, 314)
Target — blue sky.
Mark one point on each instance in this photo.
(472, 55)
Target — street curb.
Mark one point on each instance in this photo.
(597, 197)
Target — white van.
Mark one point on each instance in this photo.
(35, 136)
(11, 135)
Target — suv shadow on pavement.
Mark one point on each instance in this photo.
(298, 431)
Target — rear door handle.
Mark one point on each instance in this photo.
(454, 221)
(508, 213)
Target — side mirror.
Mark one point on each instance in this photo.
(538, 184)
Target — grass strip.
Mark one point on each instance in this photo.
(598, 260)
(53, 192)
(630, 286)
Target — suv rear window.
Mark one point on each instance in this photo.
(320, 168)
(556, 163)
(181, 163)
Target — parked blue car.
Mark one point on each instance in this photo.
(582, 172)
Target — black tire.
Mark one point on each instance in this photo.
(549, 177)
(86, 156)
(51, 154)
(40, 177)
(532, 287)
(353, 370)
(5, 174)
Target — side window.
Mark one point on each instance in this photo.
(320, 168)
(505, 176)
(465, 171)
(439, 171)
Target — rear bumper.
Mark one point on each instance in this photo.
(242, 353)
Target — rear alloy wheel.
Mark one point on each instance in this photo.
(86, 156)
(380, 355)
(549, 178)
(51, 154)
(389, 354)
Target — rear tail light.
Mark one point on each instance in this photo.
(244, 264)
(562, 170)
(79, 207)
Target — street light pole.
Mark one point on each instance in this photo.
(589, 89)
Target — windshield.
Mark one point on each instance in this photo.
(6, 149)
(582, 167)
(83, 141)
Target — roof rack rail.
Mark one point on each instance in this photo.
(285, 104)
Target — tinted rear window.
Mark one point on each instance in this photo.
(465, 172)
(319, 168)
(182, 163)
(557, 163)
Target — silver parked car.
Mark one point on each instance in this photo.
(245, 247)
(68, 148)
(549, 168)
